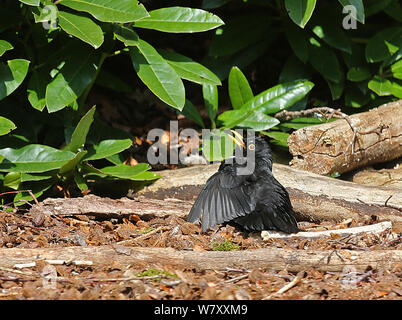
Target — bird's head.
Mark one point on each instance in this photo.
(261, 149)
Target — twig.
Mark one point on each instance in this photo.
(148, 234)
(235, 279)
(287, 287)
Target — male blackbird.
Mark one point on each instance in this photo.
(255, 201)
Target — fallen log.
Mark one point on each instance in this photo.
(268, 258)
(314, 197)
(383, 177)
(349, 143)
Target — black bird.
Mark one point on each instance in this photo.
(255, 201)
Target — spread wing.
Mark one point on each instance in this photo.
(224, 197)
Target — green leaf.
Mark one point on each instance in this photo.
(12, 75)
(110, 81)
(121, 11)
(157, 74)
(145, 176)
(80, 181)
(300, 11)
(301, 123)
(374, 6)
(298, 41)
(384, 44)
(79, 135)
(191, 112)
(269, 101)
(294, 70)
(33, 158)
(357, 14)
(38, 188)
(12, 180)
(325, 61)
(279, 138)
(396, 69)
(31, 2)
(179, 19)
(233, 36)
(217, 145)
(381, 86)
(259, 121)
(81, 27)
(188, 69)
(355, 98)
(333, 35)
(357, 74)
(394, 10)
(6, 126)
(124, 171)
(37, 90)
(73, 78)
(38, 176)
(239, 88)
(107, 148)
(127, 35)
(72, 164)
(5, 46)
(210, 95)
(336, 88)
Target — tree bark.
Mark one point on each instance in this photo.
(268, 258)
(346, 144)
(314, 198)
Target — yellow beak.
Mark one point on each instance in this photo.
(238, 139)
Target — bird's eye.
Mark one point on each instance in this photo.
(251, 146)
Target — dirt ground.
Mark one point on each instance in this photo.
(163, 282)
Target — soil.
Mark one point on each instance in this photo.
(161, 281)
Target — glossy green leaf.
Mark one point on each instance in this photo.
(239, 88)
(6, 126)
(233, 36)
(121, 11)
(381, 86)
(384, 44)
(357, 74)
(72, 164)
(5, 46)
(145, 176)
(124, 171)
(279, 138)
(31, 2)
(358, 13)
(110, 81)
(38, 176)
(12, 180)
(396, 69)
(80, 181)
(70, 82)
(127, 35)
(269, 101)
(107, 148)
(81, 27)
(79, 135)
(210, 95)
(12, 75)
(179, 19)
(259, 121)
(188, 69)
(33, 158)
(355, 98)
(301, 123)
(336, 88)
(298, 41)
(325, 61)
(394, 10)
(37, 90)
(333, 35)
(157, 74)
(191, 112)
(300, 11)
(217, 146)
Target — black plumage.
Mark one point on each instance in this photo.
(255, 201)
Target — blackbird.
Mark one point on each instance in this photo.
(254, 201)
